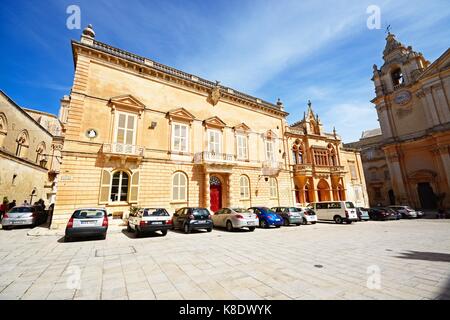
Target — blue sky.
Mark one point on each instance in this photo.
(294, 50)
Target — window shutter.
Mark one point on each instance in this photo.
(134, 190)
(104, 187)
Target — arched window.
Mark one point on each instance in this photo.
(22, 144)
(119, 186)
(244, 185)
(397, 76)
(273, 188)
(3, 128)
(297, 152)
(314, 127)
(179, 187)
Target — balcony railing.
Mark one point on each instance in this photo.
(308, 168)
(214, 157)
(123, 149)
(398, 86)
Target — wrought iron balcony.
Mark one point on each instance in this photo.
(214, 157)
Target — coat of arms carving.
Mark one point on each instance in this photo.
(214, 95)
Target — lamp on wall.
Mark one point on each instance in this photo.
(153, 125)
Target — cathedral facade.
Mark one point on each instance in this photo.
(407, 160)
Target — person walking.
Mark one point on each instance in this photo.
(3, 207)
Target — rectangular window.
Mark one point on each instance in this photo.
(273, 188)
(126, 128)
(180, 137)
(242, 147)
(214, 141)
(269, 151)
(353, 171)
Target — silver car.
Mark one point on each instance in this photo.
(406, 211)
(235, 218)
(149, 220)
(23, 216)
(87, 222)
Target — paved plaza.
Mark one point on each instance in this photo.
(406, 259)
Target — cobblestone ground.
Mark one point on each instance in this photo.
(322, 261)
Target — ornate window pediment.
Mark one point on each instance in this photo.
(269, 135)
(214, 122)
(180, 114)
(126, 102)
(241, 128)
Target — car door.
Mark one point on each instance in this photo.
(217, 217)
(226, 215)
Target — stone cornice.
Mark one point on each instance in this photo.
(141, 65)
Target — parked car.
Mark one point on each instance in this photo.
(87, 222)
(290, 215)
(267, 217)
(363, 214)
(405, 211)
(308, 215)
(192, 218)
(148, 220)
(381, 213)
(420, 214)
(24, 216)
(337, 211)
(235, 218)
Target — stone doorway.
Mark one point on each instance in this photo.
(426, 196)
(215, 193)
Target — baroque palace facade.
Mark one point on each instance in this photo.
(407, 160)
(139, 133)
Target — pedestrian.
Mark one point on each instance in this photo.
(25, 203)
(12, 204)
(3, 207)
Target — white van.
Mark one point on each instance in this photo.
(337, 211)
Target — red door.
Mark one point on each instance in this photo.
(216, 197)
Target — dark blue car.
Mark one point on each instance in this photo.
(267, 217)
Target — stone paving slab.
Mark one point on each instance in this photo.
(406, 259)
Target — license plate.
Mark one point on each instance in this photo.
(201, 221)
(88, 222)
(17, 222)
(157, 222)
(251, 223)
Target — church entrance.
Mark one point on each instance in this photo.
(426, 196)
(215, 193)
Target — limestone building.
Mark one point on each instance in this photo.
(407, 160)
(29, 153)
(140, 133)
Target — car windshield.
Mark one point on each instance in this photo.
(200, 212)
(20, 210)
(89, 214)
(349, 205)
(240, 210)
(155, 212)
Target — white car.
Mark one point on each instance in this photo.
(309, 216)
(337, 211)
(235, 218)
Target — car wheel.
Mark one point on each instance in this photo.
(209, 229)
(277, 226)
(305, 222)
(229, 226)
(297, 224)
(265, 224)
(349, 221)
(251, 229)
(314, 222)
(163, 232)
(186, 228)
(286, 222)
(104, 236)
(338, 219)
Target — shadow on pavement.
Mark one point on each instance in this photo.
(132, 235)
(428, 256)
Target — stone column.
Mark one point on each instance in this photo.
(230, 190)
(206, 194)
(398, 184)
(443, 153)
